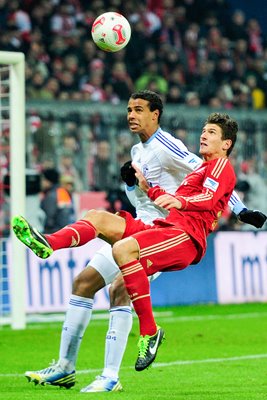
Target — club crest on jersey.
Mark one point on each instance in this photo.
(145, 170)
(211, 184)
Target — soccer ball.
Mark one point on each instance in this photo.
(111, 31)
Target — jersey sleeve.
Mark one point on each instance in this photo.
(235, 204)
(130, 193)
(218, 183)
(156, 191)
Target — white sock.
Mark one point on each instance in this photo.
(120, 325)
(77, 318)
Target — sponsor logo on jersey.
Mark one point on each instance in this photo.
(211, 184)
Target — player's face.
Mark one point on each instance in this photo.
(211, 143)
(140, 119)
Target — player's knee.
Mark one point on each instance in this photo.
(87, 283)
(93, 215)
(125, 250)
(117, 251)
(118, 294)
(81, 286)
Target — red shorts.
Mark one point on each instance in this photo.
(161, 249)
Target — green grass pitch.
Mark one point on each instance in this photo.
(211, 352)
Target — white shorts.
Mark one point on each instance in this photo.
(105, 264)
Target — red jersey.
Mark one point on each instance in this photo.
(204, 195)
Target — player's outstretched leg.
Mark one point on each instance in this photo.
(31, 237)
(148, 347)
(52, 375)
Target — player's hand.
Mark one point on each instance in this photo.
(142, 182)
(168, 201)
(252, 217)
(128, 174)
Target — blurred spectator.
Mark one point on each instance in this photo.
(169, 33)
(236, 28)
(48, 161)
(36, 89)
(175, 95)
(151, 21)
(41, 140)
(257, 94)
(63, 22)
(98, 127)
(215, 102)
(67, 82)
(255, 39)
(101, 174)
(4, 11)
(214, 43)
(223, 70)
(192, 99)
(94, 88)
(51, 89)
(19, 19)
(121, 81)
(67, 183)
(204, 82)
(152, 74)
(67, 168)
(256, 188)
(136, 49)
(56, 202)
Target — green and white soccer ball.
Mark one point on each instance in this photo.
(111, 31)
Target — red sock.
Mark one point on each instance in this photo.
(73, 235)
(138, 288)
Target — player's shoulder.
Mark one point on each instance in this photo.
(221, 160)
(166, 139)
(221, 164)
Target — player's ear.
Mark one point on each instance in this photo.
(155, 115)
(227, 143)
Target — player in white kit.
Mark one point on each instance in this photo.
(164, 160)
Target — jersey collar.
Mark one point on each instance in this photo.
(153, 136)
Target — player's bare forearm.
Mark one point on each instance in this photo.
(168, 201)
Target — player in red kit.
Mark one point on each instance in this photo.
(172, 243)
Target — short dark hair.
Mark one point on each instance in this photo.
(153, 98)
(228, 125)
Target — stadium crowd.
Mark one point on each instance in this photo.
(193, 52)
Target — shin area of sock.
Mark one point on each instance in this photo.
(73, 235)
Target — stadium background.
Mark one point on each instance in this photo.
(202, 56)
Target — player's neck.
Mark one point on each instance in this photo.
(210, 157)
(145, 136)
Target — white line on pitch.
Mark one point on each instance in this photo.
(165, 316)
(172, 363)
(212, 317)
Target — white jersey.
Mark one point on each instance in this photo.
(164, 160)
